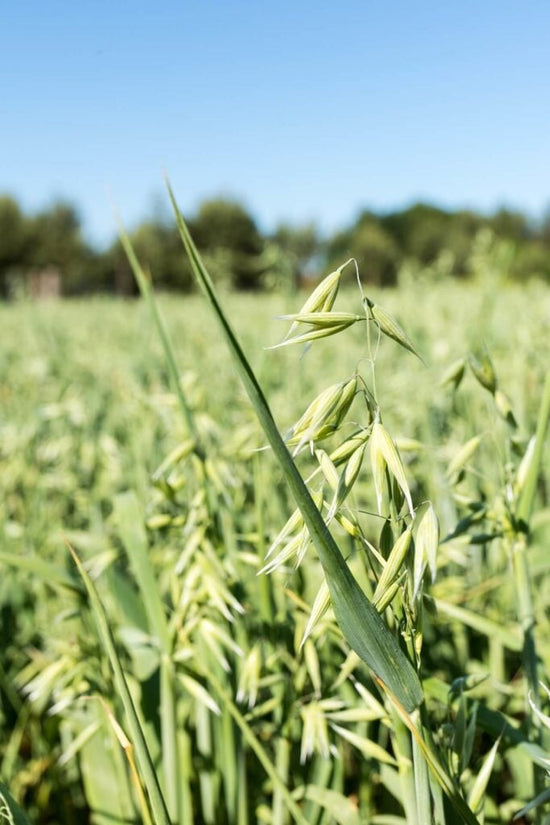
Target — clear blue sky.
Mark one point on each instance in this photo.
(304, 110)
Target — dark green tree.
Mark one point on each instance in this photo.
(532, 260)
(419, 231)
(159, 251)
(507, 223)
(228, 235)
(55, 241)
(459, 236)
(373, 247)
(14, 243)
(296, 251)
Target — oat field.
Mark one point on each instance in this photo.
(192, 634)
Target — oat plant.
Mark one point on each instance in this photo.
(381, 619)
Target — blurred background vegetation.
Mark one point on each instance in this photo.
(47, 254)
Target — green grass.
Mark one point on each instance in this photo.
(241, 723)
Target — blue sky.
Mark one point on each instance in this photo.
(305, 110)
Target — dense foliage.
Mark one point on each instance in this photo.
(245, 692)
(236, 251)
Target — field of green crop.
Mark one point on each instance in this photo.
(165, 676)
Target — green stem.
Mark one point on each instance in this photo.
(264, 582)
(242, 810)
(320, 778)
(402, 744)
(527, 497)
(255, 745)
(145, 288)
(282, 761)
(526, 615)
(170, 754)
(524, 589)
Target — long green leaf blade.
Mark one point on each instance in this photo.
(10, 812)
(128, 518)
(132, 532)
(156, 799)
(146, 290)
(527, 497)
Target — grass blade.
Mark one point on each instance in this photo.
(145, 288)
(156, 799)
(477, 794)
(45, 570)
(527, 497)
(132, 533)
(10, 812)
(129, 521)
(341, 808)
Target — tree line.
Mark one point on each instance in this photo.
(238, 253)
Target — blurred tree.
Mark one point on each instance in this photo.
(532, 259)
(228, 234)
(14, 242)
(419, 231)
(113, 272)
(376, 252)
(543, 231)
(510, 224)
(339, 248)
(294, 249)
(37, 248)
(373, 247)
(458, 238)
(160, 252)
(55, 241)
